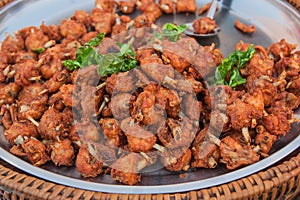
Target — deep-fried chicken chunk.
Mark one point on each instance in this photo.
(167, 6)
(138, 138)
(36, 40)
(102, 21)
(51, 126)
(126, 169)
(86, 164)
(280, 49)
(62, 152)
(21, 129)
(204, 25)
(126, 6)
(235, 154)
(72, 29)
(205, 153)
(176, 159)
(112, 131)
(36, 152)
(243, 27)
(186, 6)
(8, 93)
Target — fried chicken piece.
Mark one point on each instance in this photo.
(19, 130)
(66, 92)
(126, 6)
(143, 5)
(126, 169)
(51, 64)
(176, 133)
(241, 112)
(181, 54)
(205, 153)
(83, 17)
(260, 64)
(54, 83)
(264, 139)
(25, 32)
(165, 99)
(88, 131)
(36, 151)
(86, 76)
(276, 121)
(289, 67)
(148, 55)
(17, 150)
(8, 93)
(21, 57)
(69, 47)
(26, 73)
(52, 31)
(294, 85)
(288, 99)
(67, 118)
(112, 131)
(157, 71)
(204, 25)
(12, 44)
(108, 45)
(32, 101)
(105, 153)
(280, 49)
(62, 152)
(119, 30)
(264, 84)
(153, 12)
(51, 126)
(138, 138)
(207, 57)
(120, 83)
(191, 107)
(145, 111)
(102, 21)
(86, 164)
(243, 27)
(105, 5)
(236, 155)
(36, 40)
(142, 21)
(120, 105)
(176, 159)
(87, 37)
(196, 85)
(90, 99)
(167, 6)
(72, 29)
(6, 119)
(186, 6)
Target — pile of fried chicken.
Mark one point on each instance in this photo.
(163, 111)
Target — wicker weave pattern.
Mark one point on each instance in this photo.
(278, 182)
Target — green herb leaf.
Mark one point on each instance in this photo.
(38, 50)
(171, 31)
(108, 64)
(86, 54)
(96, 40)
(231, 65)
(117, 62)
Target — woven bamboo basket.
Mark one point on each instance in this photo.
(281, 181)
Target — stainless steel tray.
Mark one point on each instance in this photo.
(273, 19)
